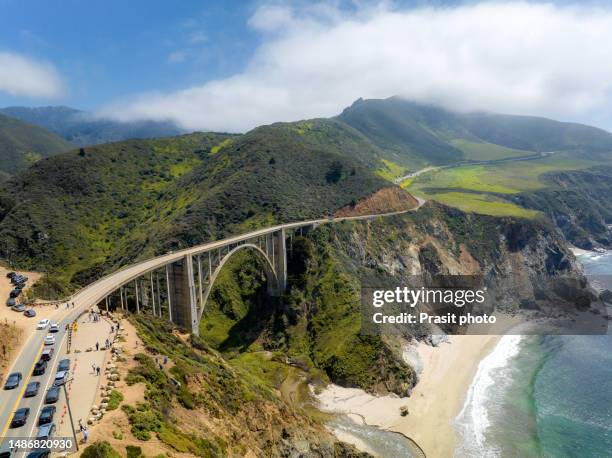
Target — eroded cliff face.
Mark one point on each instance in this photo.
(580, 205)
(525, 264)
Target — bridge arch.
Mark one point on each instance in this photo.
(271, 275)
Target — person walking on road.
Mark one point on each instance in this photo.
(93, 367)
(98, 371)
(85, 435)
(97, 346)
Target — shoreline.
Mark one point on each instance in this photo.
(436, 401)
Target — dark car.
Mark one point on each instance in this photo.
(46, 431)
(18, 308)
(10, 301)
(46, 354)
(46, 415)
(40, 453)
(40, 368)
(31, 389)
(63, 365)
(13, 381)
(15, 292)
(11, 274)
(52, 395)
(21, 417)
(30, 313)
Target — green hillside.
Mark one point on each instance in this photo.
(414, 135)
(138, 198)
(23, 144)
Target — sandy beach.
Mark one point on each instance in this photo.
(436, 400)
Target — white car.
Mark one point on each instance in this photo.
(43, 324)
(49, 339)
(54, 327)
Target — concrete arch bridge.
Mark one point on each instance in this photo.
(177, 285)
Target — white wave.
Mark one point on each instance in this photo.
(473, 420)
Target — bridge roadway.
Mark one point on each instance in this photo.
(93, 294)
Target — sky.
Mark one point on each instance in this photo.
(233, 65)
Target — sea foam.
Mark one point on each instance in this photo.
(473, 420)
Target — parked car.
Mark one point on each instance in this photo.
(60, 378)
(46, 431)
(13, 381)
(63, 365)
(30, 313)
(10, 301)
(40, 368)
(46, 415)
(11, 274)
(54, 327)
(47, 354)
(49, 339)
(21, 417)
(40, 453)
(52, 395)
(43, 324)
(18, 308)
(15, 292)
(31, 389)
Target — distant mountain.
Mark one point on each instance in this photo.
(81, 128)
(22, 144)
(414, 135)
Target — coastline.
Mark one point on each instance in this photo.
(437, 399)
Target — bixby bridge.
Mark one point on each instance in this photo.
(177, 285)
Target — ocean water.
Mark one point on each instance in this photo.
(542, 396)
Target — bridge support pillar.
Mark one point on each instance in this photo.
(277, 253)
(182, 292)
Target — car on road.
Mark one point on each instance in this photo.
(13, 381)
(31, 389)
(54, 327)
(43, 324)
(47, 354)
(15, 292)
(60, 378)
(63, 365)
(30, 313)
(49, 339)
(21, 417)
(40, 368)
(46, 415)
(18, 308)
(52, 395)
(40, 453)
(10, 302)
(11, 274)
(46, 431)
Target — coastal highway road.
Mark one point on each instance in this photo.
(11, 400)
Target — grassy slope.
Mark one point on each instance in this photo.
(489, 189)
(23, 144)
(138, 198)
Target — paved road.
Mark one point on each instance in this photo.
(92, 294)
(11, 400)
(529, 157)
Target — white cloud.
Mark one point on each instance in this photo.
(24, 77)
(510, 57)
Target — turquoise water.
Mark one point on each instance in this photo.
(542, 395)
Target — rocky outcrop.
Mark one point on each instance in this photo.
(579, 203)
